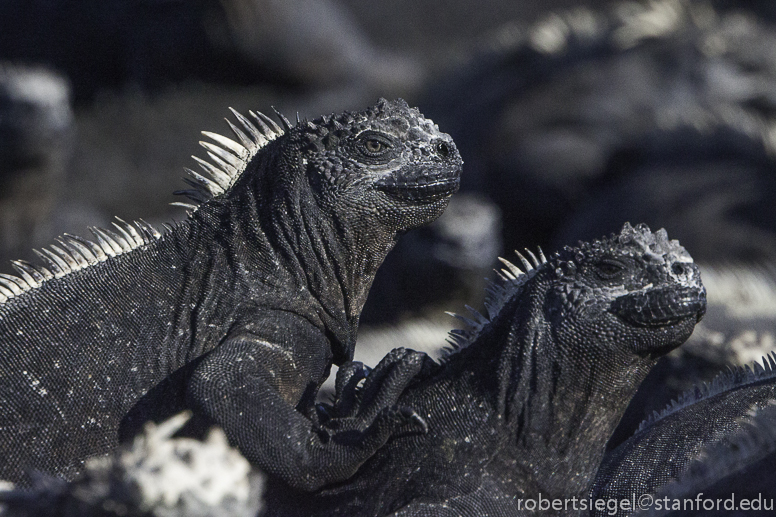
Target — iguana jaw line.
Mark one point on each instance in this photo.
(660, 307)
(421, 191)
(426, 185)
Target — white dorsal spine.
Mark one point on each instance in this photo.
(229, 159)
(511, 278)
(734, 377)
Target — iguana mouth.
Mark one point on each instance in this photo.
(660, 307)
(422, 192)
(420, 187)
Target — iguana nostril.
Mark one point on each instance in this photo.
(678, 268)
(443, 149)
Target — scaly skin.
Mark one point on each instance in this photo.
(704, 426)
(526, 408)
(237, 312)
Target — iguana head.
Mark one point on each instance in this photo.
(387, 162)
(636, 289)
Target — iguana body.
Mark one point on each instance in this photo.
(527, 407)
(237, 312)
(702, 421)
(738, 467)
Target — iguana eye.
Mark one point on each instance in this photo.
(609, 269)
(373, 145)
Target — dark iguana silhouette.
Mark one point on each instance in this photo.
(237, 312)
(527, 407)
(708, 434)
(615, 111)
(727, 471)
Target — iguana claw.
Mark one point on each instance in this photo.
(415, 419)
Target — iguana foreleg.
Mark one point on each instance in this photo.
(235, 389)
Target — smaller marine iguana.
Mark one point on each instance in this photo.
(707, 418)
(237, 312)
(526, 406)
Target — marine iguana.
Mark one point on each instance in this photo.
(738, 467)
(236, 312)
(527, 405)
(667, 444)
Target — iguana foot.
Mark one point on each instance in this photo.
(372, 406)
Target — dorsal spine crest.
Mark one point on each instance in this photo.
(510, 279)
(229, 159)
(732, 378)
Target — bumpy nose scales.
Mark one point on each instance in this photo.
(650, 257)
(703, 304)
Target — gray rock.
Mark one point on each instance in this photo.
(155, 476)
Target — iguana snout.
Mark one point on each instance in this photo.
(661, 307)
(674, 294)
(439, 178)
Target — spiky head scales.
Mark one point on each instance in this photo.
(339, 149)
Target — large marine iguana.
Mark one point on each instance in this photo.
(237, 312)
(526, 408)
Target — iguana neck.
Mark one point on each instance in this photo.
(276, 234)
(557, 400)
